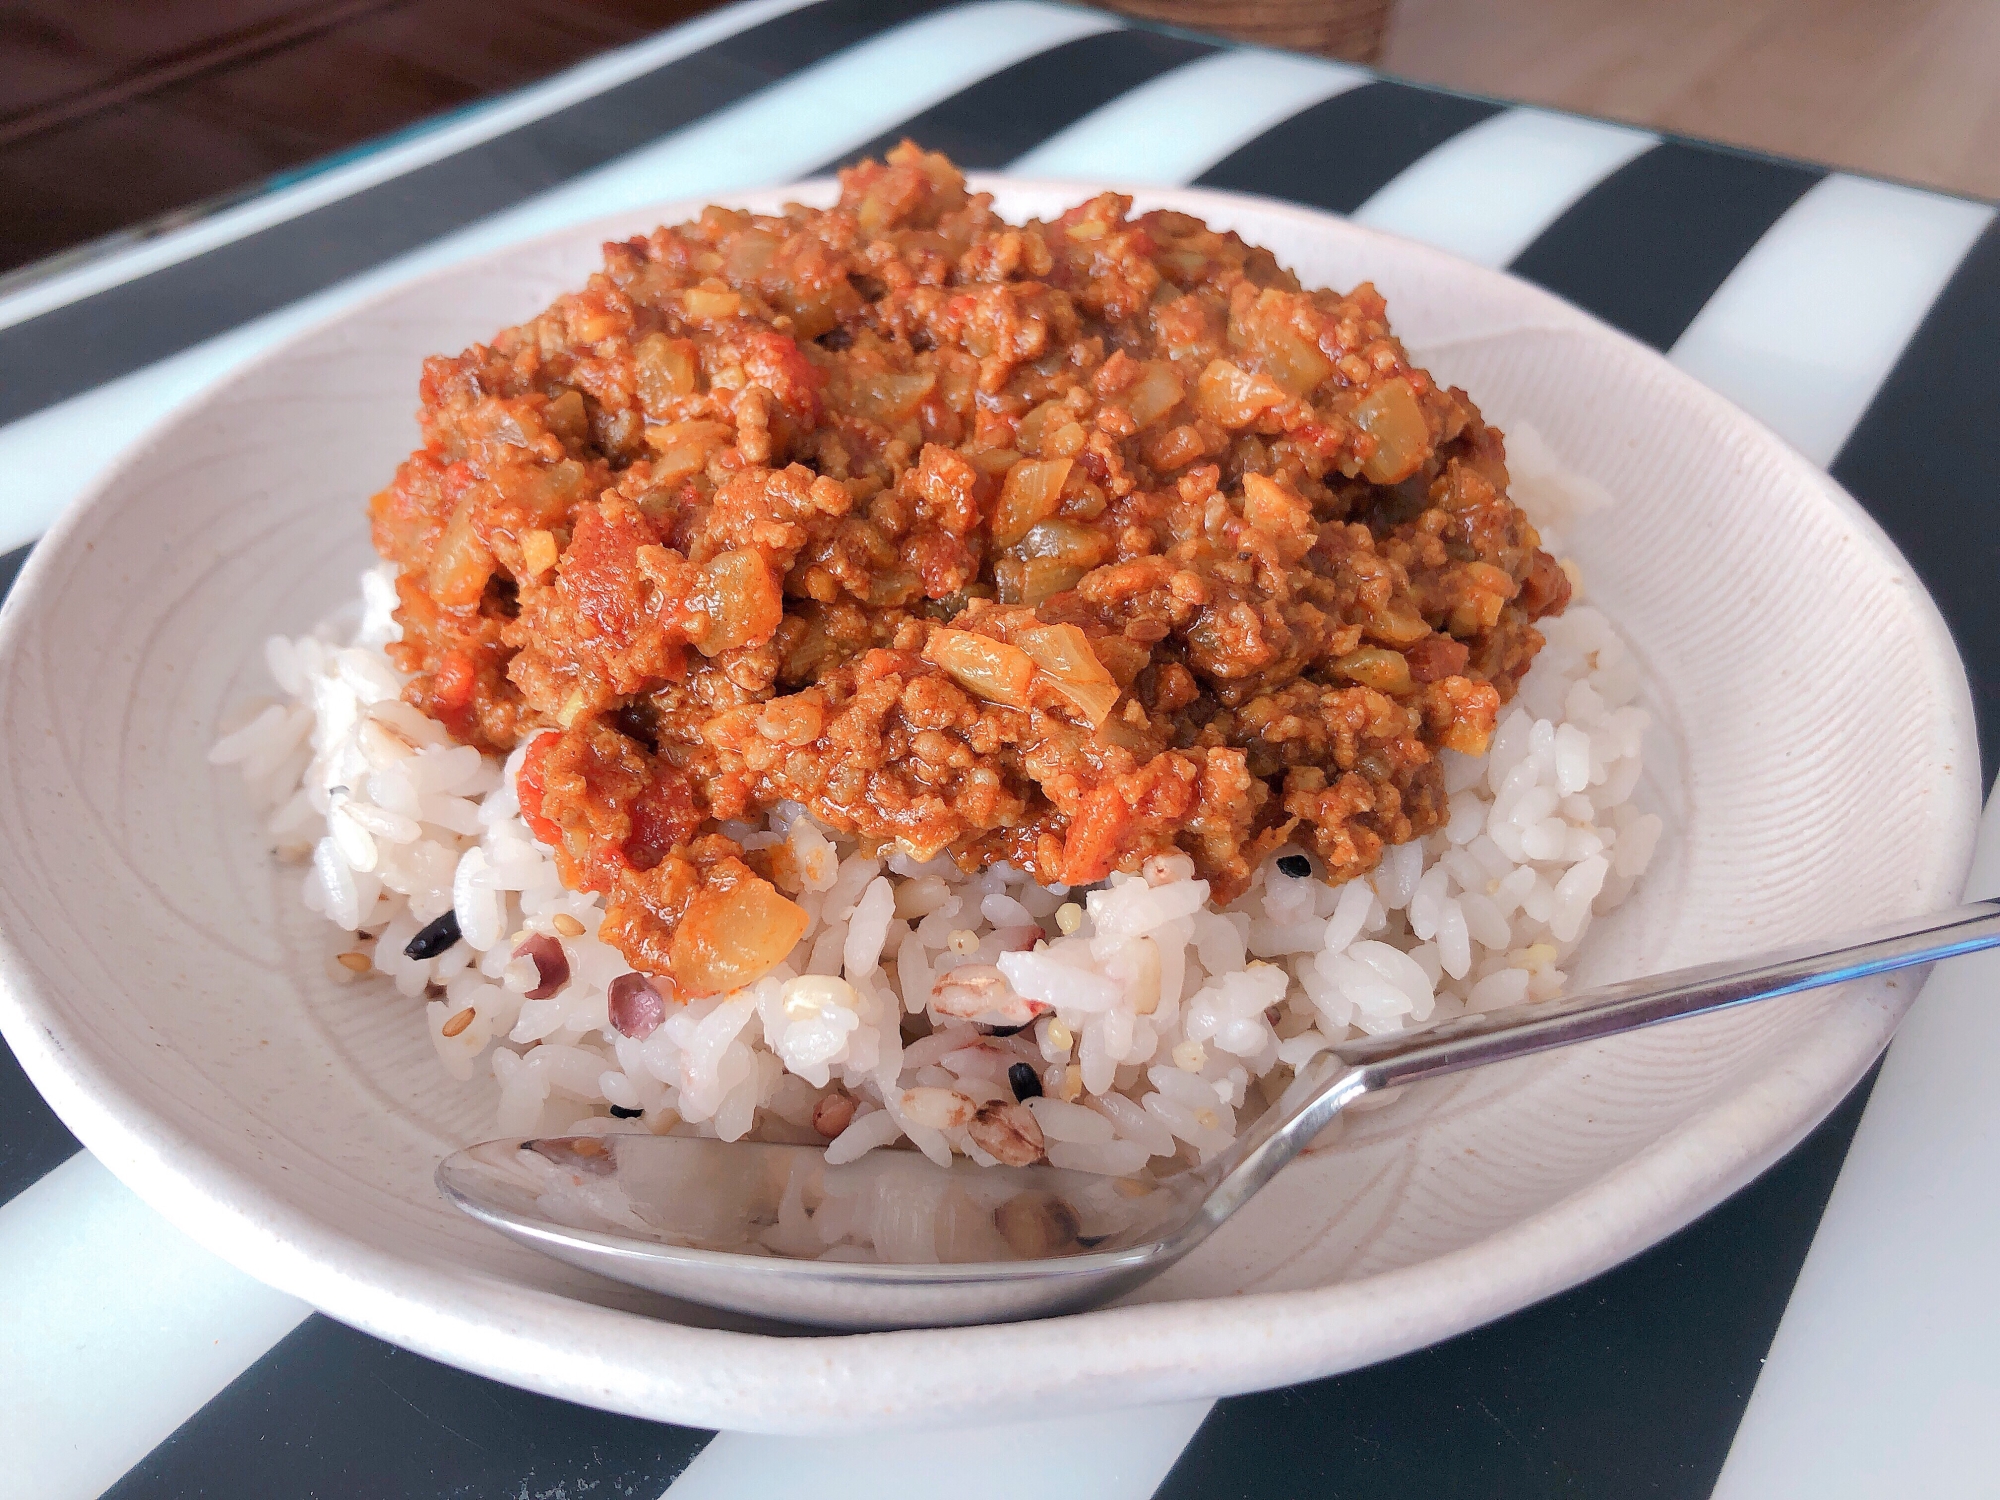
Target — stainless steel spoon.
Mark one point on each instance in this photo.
(893, 1241)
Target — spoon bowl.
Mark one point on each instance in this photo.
(741, 1225)
(895, 1241)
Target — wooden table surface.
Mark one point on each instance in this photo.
(112, 113)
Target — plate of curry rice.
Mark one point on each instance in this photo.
(1001, 670)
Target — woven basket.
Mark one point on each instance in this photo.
(1350, 29)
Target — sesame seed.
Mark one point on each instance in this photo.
(1024, 1081)
(620, 1112)
(1069, 917)
(567, 925)
(355, 962)
(458, 1022)
(1295, 865)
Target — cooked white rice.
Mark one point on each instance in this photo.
(1158, 1024)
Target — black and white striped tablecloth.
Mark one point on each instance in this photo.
(1859, 319)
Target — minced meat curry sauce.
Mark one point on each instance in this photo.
(1062, 543)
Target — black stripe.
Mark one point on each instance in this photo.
(988, 125)
(32, 1139)
(1646, 248)
(1632, 1384)
(1920, 459)
(10, 567)
(72, 348)
(332, 1414)
(1339, 154)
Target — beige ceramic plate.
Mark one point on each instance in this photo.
(160, 981)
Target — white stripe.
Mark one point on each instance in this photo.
(1806, 328)
(1488, 191)
(115, 1328)
(428, 143)
(819, 113)
(1884, 1378)
(1118, 1455)
(1173, 128)
(55, 454)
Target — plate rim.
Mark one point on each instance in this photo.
(584, 1352)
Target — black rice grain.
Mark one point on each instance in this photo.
(434, 939)
(1024, 1081)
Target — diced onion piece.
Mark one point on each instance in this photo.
(815, 307)
(1063, 652)
(1281, 349)
(1031, 493)
(1230, 396)
(1051, 431)
(1032, 580)
(1155, 393)
(461, 564)
(547, 493)
(1067, 542)
(749, 253)
(1093, 700)
(1390, 415)
(890, 397)
(567, 417)
(732, 938)
(666, 369)
(682, 448)
(894, 588)
(987, 668)
(743, 600)
(1043, 419)
(1065, 441)
(707, 304)
(1396, 628)
(1371, 666)
(1052, 557)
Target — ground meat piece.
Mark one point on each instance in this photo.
(604, 804)
(1067, 543)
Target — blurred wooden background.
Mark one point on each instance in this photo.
(113, 112)
(1901, 88)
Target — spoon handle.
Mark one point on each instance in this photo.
(1329, 1083)
(1520, 1031)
